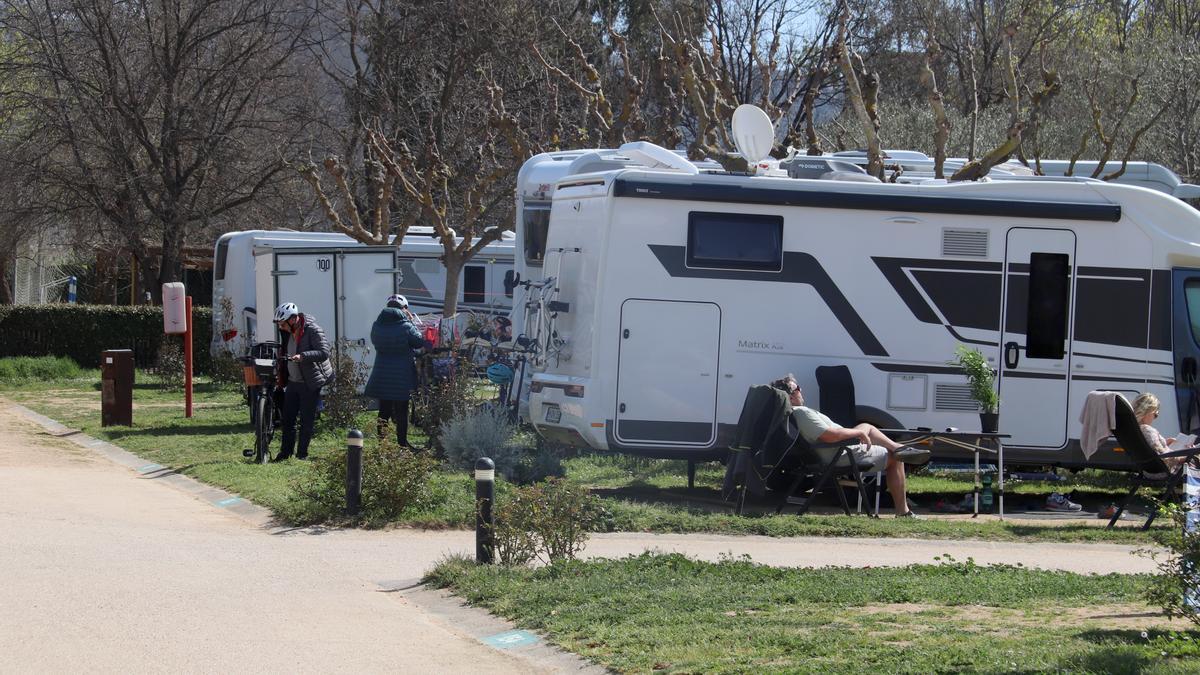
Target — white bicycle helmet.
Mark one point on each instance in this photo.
(286, 311)
(396, 297)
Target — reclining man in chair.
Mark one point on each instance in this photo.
(872, 446)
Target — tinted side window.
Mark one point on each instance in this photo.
(219, 263)
(1049, 295)
(474, 286)
(735, 241)
(536, 227)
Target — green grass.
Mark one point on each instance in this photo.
(666, 613)
(638, 494)
(21, 369)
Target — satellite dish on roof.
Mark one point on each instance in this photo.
(753, 133)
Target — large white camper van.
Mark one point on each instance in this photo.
(661, 293)
(343, 282)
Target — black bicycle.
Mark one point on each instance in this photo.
(259, 369)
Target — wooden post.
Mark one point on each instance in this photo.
(187, 361)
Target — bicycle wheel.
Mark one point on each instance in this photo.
(263, 430)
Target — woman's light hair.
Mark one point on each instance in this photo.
(1144, 405)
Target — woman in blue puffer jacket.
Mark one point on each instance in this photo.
(394, 376)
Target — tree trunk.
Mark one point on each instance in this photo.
(5, 287)
(170, 265)
(454, 265)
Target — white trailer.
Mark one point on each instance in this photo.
(342, 282)
(664, 292)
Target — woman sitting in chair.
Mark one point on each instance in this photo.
(1145, 409)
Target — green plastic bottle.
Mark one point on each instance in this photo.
(987, 498)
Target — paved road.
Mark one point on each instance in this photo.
(106, 571)
(109, 570)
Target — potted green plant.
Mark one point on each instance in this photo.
(982, 378)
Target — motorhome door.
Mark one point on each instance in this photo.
(1035, 344)
(306, 278)
(365, 279)
(667, 373)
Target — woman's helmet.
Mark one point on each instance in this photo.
(286, 311)
(398, 299)
(499, 373)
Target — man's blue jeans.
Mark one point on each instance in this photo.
(298, 399)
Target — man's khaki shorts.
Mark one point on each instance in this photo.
(877, 455)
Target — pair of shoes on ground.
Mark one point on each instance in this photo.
(911, 455)
(944, 506)
(908, 515)
(1059, 502)
(284, 458)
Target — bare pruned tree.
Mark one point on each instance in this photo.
(446, 100)
(159, 117)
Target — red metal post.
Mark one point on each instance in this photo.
(187, 361)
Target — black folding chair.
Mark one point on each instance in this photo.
(1152, 470)
(761, 443)
(842, 464)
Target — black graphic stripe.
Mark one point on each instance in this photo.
(798, 268)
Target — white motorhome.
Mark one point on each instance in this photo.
(343, 282)
(665, 291)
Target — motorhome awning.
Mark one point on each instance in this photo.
(738, 194)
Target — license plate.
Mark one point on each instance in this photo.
(553, 414)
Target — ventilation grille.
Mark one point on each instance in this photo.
(966, 243)
(954, 397)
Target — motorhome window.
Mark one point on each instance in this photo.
(473, 284)
(222, 252)
(1049, 296)
(536, 226)
(1191, 292)
(735, 241)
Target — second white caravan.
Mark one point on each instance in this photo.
(343, 282)
(669, 291)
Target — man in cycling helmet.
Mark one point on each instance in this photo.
(307, 369)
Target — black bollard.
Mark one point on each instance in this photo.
(354, 471)
(485, 494)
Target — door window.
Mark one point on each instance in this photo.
(1049, 295)
(1191, 293)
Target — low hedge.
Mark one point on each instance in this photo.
(82, 332)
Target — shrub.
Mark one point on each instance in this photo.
(447, 391)
(548, 521)
(44, 368)
(483, 432)
(168, 365)
(342, 400)
(82, 332)
(1177, 588)
(394, 481)
(487, 431)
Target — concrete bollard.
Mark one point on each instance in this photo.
(485, 495)
(354, 471)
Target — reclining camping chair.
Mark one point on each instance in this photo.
(1152, 470)
(839, 404)
(761, 443)
(842, 464)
